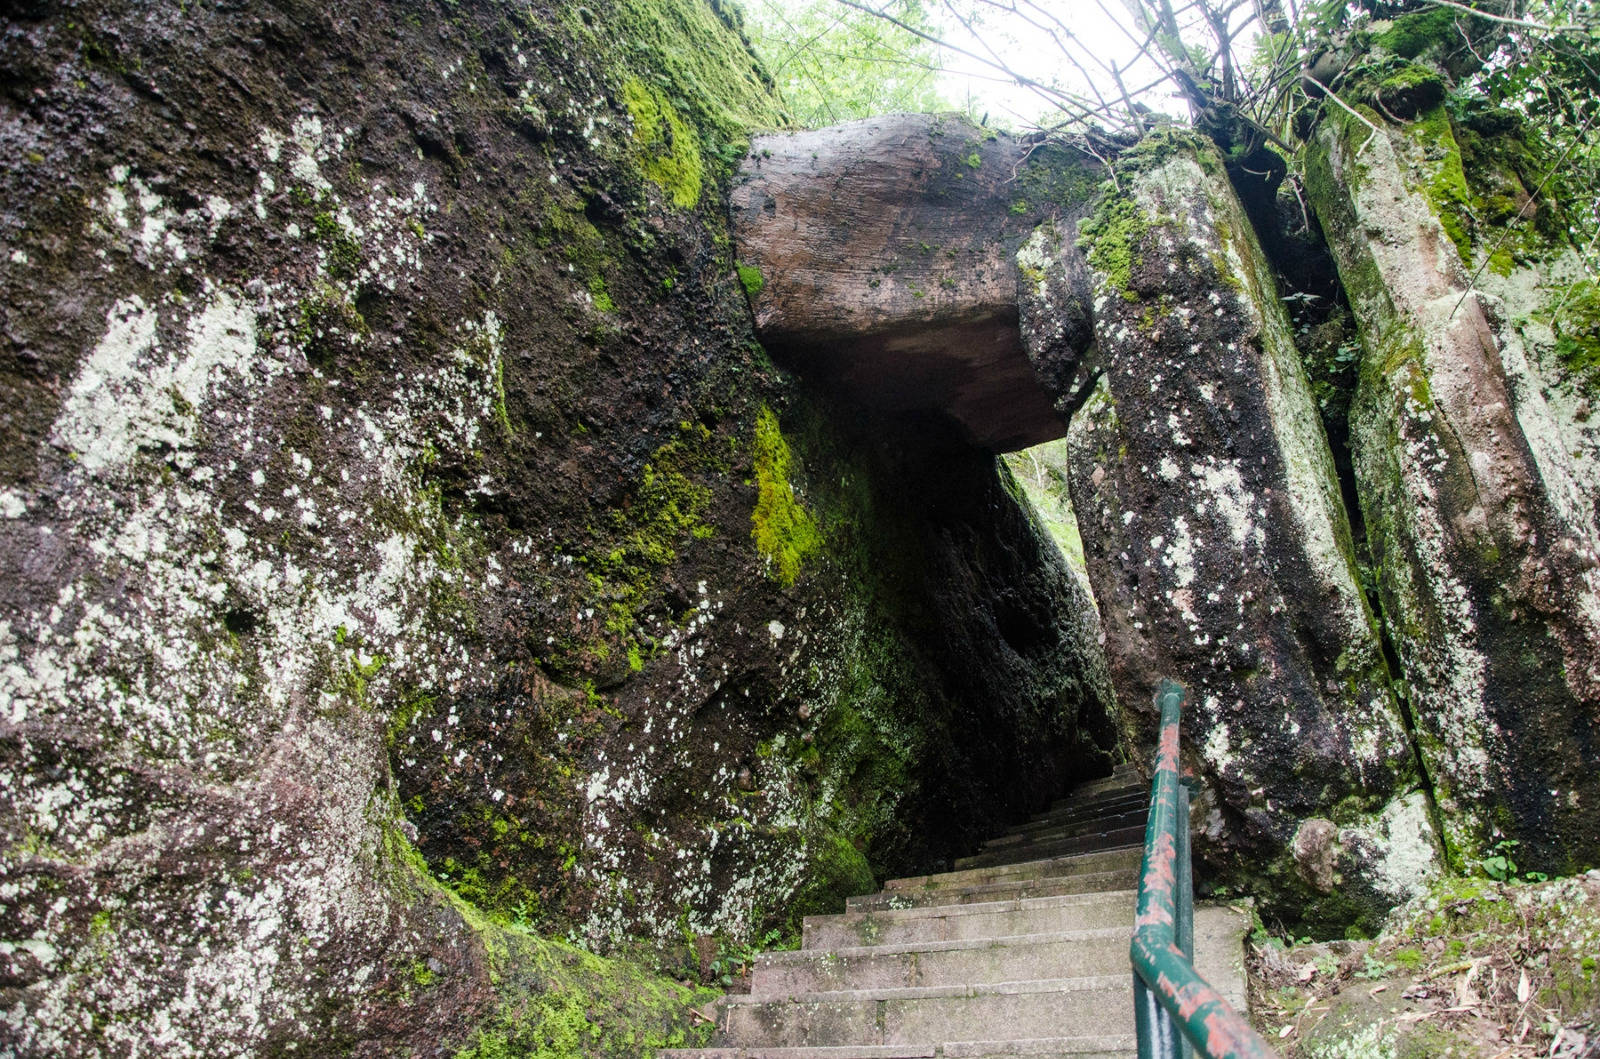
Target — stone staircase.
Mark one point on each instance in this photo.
(1020, 951)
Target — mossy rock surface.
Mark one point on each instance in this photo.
(388, 414)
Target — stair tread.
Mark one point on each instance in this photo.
(1114, 838)
(1026, 987)
(978, 908)
(1089, 882)
(808, 1051)
(1000, 941)
(1057, 834)
(1052, 820)
(961, 875)
(1111, 1044)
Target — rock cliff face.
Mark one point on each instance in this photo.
(1220, 553)
(410, 555)
(1475, 457)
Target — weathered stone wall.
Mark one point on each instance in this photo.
(409, 553)
(1474, 454)
(1220, 554)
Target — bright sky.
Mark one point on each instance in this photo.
(1101, 42)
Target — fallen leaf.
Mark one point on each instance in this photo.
(1524, 988)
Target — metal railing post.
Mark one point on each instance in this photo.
(1174, 1008)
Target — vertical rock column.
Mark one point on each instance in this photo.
(1478, 504)
(1220, 552)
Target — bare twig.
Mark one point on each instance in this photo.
(1520, 23)
(1358, 115)
(1056, 97)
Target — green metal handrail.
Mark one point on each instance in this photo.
(1177, 1012)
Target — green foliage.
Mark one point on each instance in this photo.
(834, 63)
(1552, 82)
(1041, 471)
(784, 532)
(734, 959)
(1499, 865)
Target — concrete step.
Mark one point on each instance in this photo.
(847, 1051)
(1005, 890)
(1022, 840)
(1071, 814)
(1219, 933)
(1067, 954)
(990, 919)
(1050, 868)
(1099, 1047)
(1088, 843)
(1076, 1007)
(1115, 781)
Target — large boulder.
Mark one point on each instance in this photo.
(882, 259)
(1220, 553)
(410, 558)
(1475, 456)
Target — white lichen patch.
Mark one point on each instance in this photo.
(132, 393)
(237, 618)
(1404, 854)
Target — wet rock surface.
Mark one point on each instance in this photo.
(1220, 554)
(1474, 463)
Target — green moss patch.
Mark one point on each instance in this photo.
(1447, 191)
(1576, 322)
(750, 276)
(1413, 35)
(660, 514)
(835, 870)
(601, 296)
(1111, 238)
(669, 148)
(700, 51)
(562, 1003)
(785, 534)
(555, 1001)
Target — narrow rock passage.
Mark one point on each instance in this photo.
(1021, 951)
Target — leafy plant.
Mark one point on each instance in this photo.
(1499, 865)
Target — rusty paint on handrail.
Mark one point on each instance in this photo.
(1170, 996)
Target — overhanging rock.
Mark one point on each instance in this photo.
(924, 265)
(880, 256)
